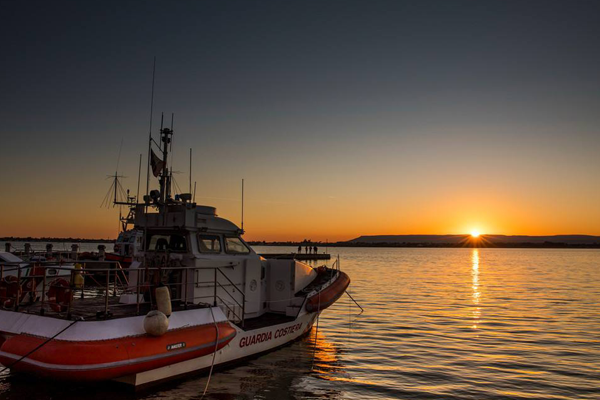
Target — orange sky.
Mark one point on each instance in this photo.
(330, 205)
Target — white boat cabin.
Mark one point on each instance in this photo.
(222, 269)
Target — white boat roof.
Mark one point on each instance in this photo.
(215, 224)
(9, 257)
(192, 216)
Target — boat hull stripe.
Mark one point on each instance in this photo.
(114, 364)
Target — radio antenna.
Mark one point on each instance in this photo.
(172, 137)
(137, 196)
(116, 182)
(190, 170)
(150, 130)
(119, 156)
(242, 205)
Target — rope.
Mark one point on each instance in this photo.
(316, 332)
(40, 346)
(214, 354)
(352, 298)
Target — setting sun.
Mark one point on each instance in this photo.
(475, 233)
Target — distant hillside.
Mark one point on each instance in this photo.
(412, 239)
(488, 239)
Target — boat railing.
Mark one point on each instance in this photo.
(336, 263)
(90, 289)
(242, 306)
(26, 287)
(56, 256)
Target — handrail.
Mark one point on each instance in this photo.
(336, 263)
(241, 318)
(243, 305)
(30, 274)
(232, 298)
(88, 282)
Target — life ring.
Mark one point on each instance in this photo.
(59, 295)
(10, 289)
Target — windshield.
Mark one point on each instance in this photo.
(209, 244)
(234, 245)
(164, 241)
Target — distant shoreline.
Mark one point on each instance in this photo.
(501, 245)
(55, 240)
(434, 245)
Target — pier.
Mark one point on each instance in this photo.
(297, 256)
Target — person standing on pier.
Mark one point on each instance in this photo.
(315, 249)
(299, 249)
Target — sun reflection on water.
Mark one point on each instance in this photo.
(325, 352)
(476, 314)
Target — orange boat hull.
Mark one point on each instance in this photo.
(108, 359)
(329, 295)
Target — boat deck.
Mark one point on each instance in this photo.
(268, 319)
(94, 308)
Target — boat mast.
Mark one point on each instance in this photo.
(166, 136)
(150, 134)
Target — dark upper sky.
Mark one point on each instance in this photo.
(508, 86)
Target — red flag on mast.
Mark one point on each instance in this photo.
(156, 163)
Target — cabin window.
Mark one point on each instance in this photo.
(209, 244)
(234, 245)
(163, 242)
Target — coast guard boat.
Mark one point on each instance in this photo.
(194, 296)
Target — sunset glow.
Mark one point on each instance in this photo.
(475, 233)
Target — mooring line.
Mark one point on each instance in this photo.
(40, 346)
(316, 332)
(358, 305)
(214, 353)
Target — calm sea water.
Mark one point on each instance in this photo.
(438, 324)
